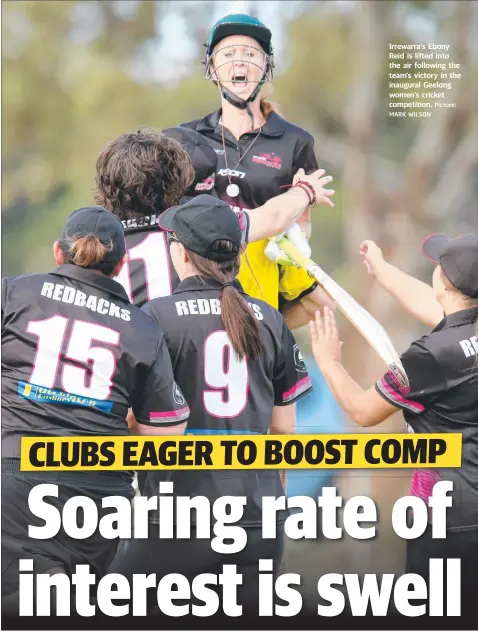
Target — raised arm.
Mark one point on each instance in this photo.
(416, 297)
(280, 212)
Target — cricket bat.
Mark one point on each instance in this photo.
(367, 325)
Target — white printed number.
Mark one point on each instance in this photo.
(153, 252)
(227, 375)
(100, 361)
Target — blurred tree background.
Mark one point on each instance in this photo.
(77, 74)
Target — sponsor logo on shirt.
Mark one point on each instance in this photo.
(219, 151)
(299, 360)
(137, 222)
(207, 184)
(177, 395)
(55, 396)
(269, 160)
(231, 172)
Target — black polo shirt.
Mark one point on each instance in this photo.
(267, 161)
(442, 368)
(76, 355)
(227, 396)
(278, 152)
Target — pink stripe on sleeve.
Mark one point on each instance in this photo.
(399, 398)
(300, 384)
(170, 413)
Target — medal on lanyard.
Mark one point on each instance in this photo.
(233, 189)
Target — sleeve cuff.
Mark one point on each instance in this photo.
(170, 418)
(394, 397)
(300, 389)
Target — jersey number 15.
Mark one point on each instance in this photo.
(79, 361)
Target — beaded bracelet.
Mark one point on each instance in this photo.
(305, 186)
(311, 190)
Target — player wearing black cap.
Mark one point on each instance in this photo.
(141, 174)
(241, 371)
(442, 368)
(76, 355)
(260, 153)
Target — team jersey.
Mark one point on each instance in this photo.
(278, 152)
(149, 272)
(227, 396)
(442, 368)
(76, 355)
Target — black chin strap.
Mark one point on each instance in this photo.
(243, 104)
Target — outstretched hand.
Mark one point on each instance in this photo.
(318, 181)
(326, 344)
(371, 256)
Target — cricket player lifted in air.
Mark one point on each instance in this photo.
(260, 155)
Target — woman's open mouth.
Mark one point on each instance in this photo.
(239, 79)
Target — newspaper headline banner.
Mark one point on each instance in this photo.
(241, 451)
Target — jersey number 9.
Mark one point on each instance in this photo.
(226, 375)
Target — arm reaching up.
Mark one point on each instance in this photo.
(416, 297)
(280, 212)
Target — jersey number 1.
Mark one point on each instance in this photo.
(227, 375)
(153, 252)
(100, 361)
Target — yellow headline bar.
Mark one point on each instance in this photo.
(241, 451)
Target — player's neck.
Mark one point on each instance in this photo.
(188, 271)
(454, 304)
(238, 122)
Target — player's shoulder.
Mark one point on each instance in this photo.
(271, 317)
(161, 305)
(143, 319)
(203, 123)
(425, 349)
(193, 125)
(293, 130)
(24, 281)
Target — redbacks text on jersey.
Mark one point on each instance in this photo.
(76, 355)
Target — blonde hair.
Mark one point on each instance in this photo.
(267, 106)
(88, 251)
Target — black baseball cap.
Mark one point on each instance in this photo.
(458, 259)
(203, 157)
(200, 223)
(97, 221)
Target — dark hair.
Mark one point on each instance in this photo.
(142, 173)
(236, 315)
(88, 252)
(472, 303)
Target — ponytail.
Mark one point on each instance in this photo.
(240, 324)
(267, 106)
(88, 252)
(237, 317)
